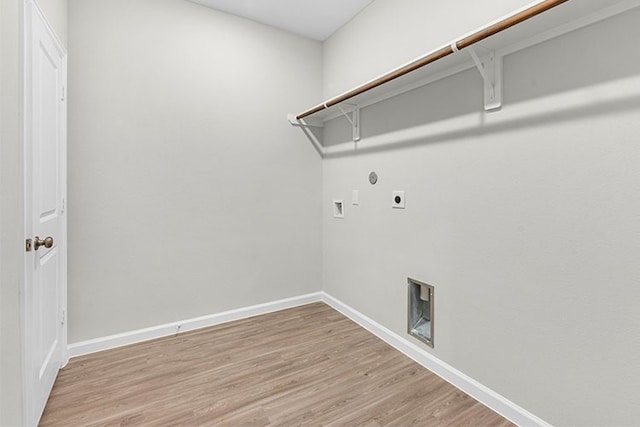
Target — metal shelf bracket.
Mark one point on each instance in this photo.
(490, 68)
(354, 119)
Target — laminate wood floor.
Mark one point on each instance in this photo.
(304, 366)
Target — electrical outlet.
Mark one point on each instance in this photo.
(397, 200)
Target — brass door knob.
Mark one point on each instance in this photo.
(47, 243)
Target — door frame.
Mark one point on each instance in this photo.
(30, 11)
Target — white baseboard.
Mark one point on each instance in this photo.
(484, 395)
(140, 335)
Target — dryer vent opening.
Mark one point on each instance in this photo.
(420, 313)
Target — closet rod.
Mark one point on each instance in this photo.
(526, 14)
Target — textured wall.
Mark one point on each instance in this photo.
(390, 33)
(525, 220)
(190, 193)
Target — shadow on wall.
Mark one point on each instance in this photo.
(585, 73)
(315, 135)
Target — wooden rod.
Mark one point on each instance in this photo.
(445, 51)
(509, 22)
(433, 57)
(439, 54)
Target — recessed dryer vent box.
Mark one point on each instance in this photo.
(420, 313)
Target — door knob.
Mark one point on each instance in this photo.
(47, 243)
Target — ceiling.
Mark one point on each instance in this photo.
(317, 19)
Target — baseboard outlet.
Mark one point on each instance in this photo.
(481, 393)
(141, 335)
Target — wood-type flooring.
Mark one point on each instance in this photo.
(306, 366)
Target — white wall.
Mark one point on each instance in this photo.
(190, 193)
(390, 33)
(526, 220)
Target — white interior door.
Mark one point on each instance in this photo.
(45, 223)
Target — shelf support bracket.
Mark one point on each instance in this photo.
(304, 123)
(490, 68)
(354, 119)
